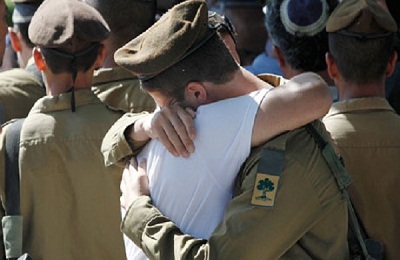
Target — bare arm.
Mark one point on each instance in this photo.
(301, 100)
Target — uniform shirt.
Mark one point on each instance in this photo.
(120, 89)
(366, 131)
(193, 192)
(308, 219)
(69, 199)
(19, 90)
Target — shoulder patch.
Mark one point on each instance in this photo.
(264, 190)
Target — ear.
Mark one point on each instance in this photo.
(100, 56)
(15, 41)
(391, 64)
(331, 66)
(39, 59)
(195, 94)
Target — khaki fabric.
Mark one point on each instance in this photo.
(120, 89)
(75, 22)
(366, 132)
(117, 150)
(69, 200)
(19, 90)
(308, 220)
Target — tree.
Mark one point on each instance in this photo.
(265, 186)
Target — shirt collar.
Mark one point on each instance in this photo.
(359, 104)
(63, 101)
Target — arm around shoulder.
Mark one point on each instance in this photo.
(303, 99)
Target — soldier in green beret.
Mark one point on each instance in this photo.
(69, 200)
(294, 220)
(21, 87)
(362, 123)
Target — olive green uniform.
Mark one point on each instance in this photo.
(120, 89)
(69, 200)
(308, 219)
(19, 90)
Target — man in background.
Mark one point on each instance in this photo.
(20, 88)
(363, 125)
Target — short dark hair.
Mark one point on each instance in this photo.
(212, 62)
(60, 61)
(126, 19)
(303, 53)
(361, 61)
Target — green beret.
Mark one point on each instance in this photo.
(361, 17)
(178, 33)
(60, 23)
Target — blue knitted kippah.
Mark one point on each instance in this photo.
(304, 17)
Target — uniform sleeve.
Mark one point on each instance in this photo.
(2, 186)
(246, 232)
(115, 147)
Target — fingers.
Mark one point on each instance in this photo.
(174, 127)
(134, 183)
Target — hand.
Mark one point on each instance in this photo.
(134, 183)
(173, 126)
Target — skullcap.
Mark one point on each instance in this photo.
(304, 17)
(60, 23)
(178, 33)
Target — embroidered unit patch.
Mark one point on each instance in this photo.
(264, 191)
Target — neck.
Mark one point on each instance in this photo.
(57, 84)
(350, 90)
(109, 61)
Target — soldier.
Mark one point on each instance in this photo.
(252, 228)
(69, 200)
(21, 87)
(115, 86)
(362, 123)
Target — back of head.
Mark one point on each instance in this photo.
(70, 38)
(22, 16)
(361, 40)
(126, 18)
(179, 48)
(298, 29)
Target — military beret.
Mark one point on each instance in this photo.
(358, 18)
(304, 18)
(59, 23)
(178, 33)
(23, 12)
